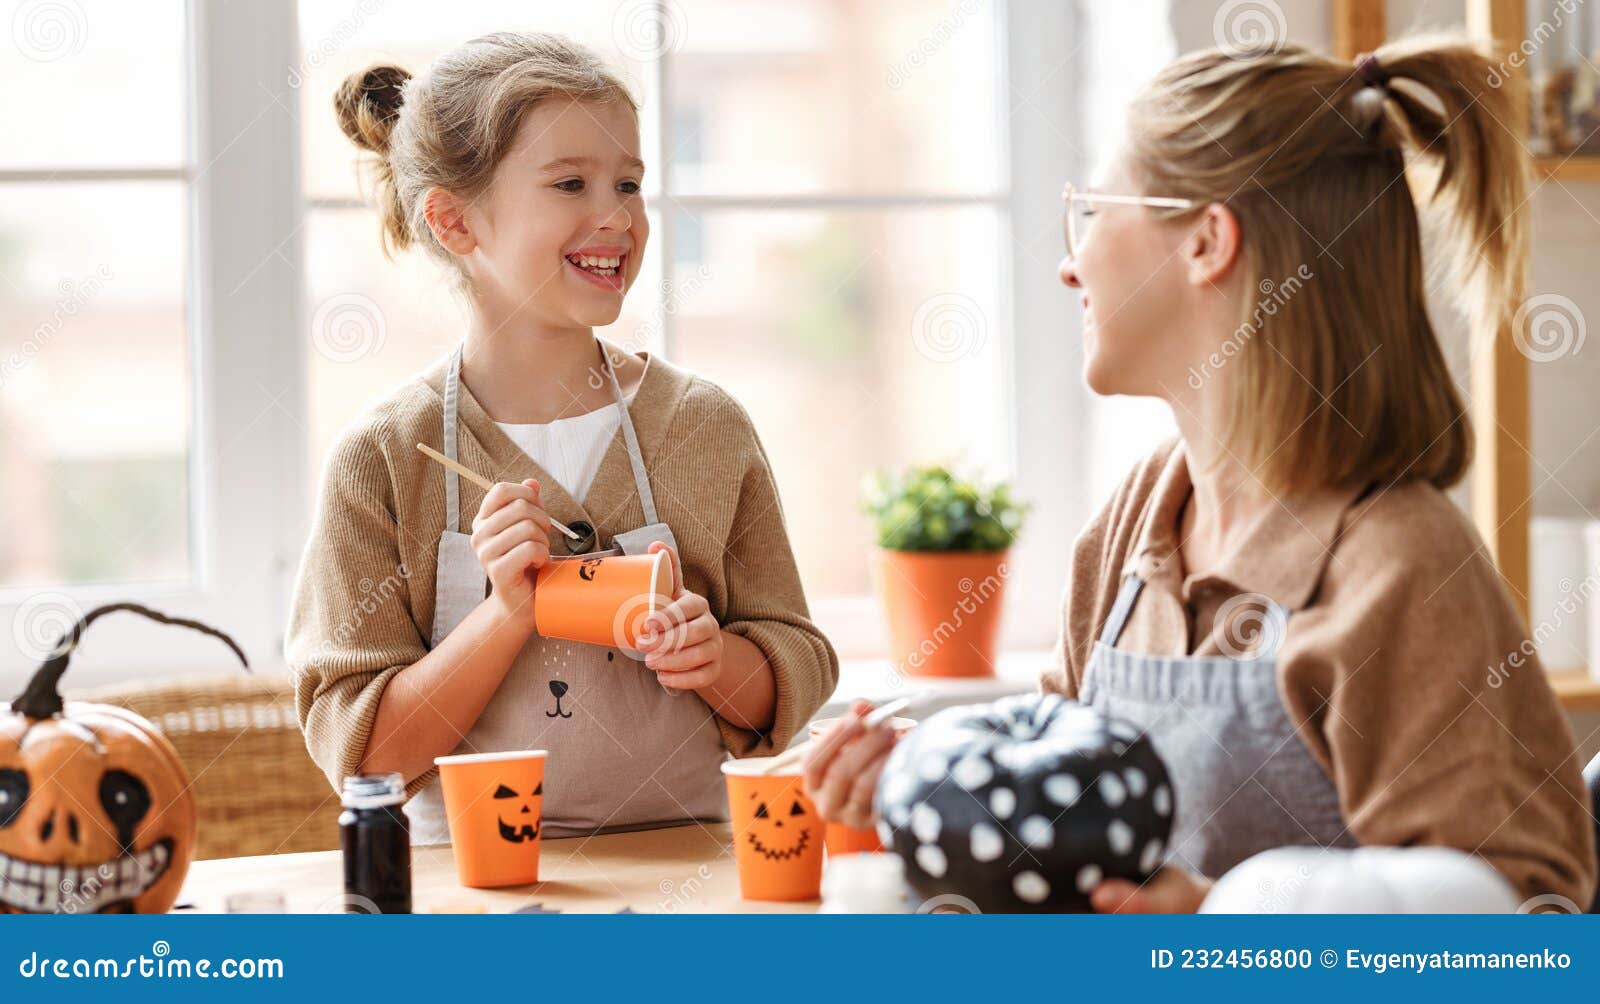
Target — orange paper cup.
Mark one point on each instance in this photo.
(601, 600)
(842, 839)
(777, 834)
(494, 802)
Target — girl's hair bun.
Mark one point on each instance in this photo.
(368, 104)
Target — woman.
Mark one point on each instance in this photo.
(1284, 598)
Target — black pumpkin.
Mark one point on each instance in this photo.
(1024, 805)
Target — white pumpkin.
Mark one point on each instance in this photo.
(1362, 880)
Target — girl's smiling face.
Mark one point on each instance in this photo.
(559, 234)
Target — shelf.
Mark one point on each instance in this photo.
(1578, 167)
(1575, 689)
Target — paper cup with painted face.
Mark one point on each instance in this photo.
(842, 839)
(777, 834)
(601, 600)
(494, 802)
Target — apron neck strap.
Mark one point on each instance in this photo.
(1120, 610)
(452, 480)
(641, 480)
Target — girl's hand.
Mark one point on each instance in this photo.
(511, 537)
(842, 768)
(1170, 890)
(682, 642)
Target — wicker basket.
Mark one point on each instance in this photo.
(256, 788)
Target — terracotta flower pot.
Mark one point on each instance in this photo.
(943, 609)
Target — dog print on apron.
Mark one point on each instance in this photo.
(624, 751)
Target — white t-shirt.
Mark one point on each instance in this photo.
(569, 448)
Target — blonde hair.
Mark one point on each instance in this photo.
(1346, 383)
(451, 127)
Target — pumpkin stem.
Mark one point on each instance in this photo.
(42, 698)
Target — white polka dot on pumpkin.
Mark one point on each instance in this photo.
(987, 843)
(897, 788)
(1120, 836)
(1123, 730)
(1162, 800)
(931, 860)
(1002, 802)
(925, 822)
(1010, 757)
(1150, 857)
(1136, 781)
(1037, 833)
(932, 767)
(1030, 887)
(885, 833)
(1062, 789)
(1088, 877)
(972, 772)
(1112, 789)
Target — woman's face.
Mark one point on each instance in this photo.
(1138, 322)
(561, 231)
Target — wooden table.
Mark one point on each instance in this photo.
(679, 869)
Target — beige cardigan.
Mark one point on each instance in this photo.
(363, 604)
(1403, 667)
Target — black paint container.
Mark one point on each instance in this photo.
(376, 839)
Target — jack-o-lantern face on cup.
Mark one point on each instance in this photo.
(96, 815)
(777, 834)
(494, 802)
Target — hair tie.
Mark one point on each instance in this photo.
(1371, 71)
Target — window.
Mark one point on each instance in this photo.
(94, 360)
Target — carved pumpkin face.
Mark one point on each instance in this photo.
(780, 830)
(518, 814)
(96, 813)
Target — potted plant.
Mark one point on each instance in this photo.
(941, 567)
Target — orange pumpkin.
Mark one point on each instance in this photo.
(96, 812)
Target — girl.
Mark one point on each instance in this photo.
(1284, 598)
(515, 162)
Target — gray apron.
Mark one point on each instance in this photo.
(1242, 779)
(626, 752)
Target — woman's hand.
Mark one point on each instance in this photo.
(1170, 890)
(842, 768)
(511, 537)
(682, 642)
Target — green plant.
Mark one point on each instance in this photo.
(930, 509)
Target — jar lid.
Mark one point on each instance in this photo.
(373, 791)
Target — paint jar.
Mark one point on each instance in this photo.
(376, 839)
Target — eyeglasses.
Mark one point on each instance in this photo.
(1080, 210)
